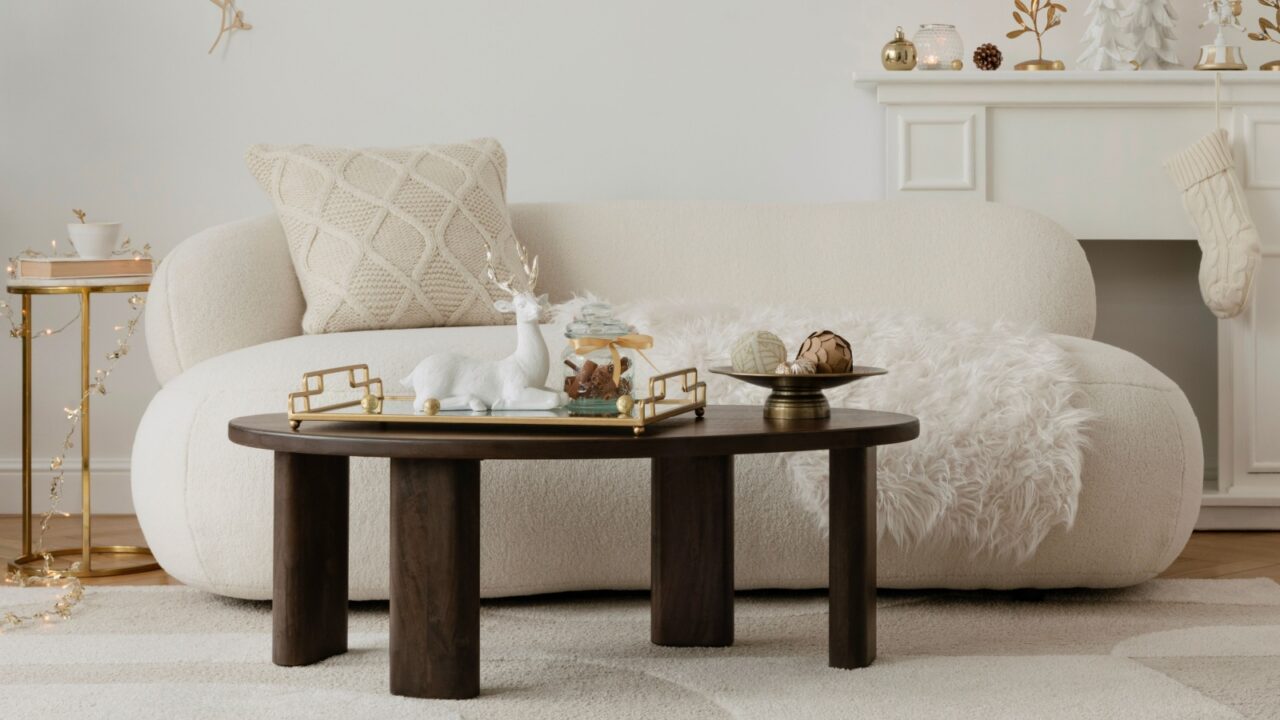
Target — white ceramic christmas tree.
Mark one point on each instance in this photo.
(1103, 47)
(1151, 24)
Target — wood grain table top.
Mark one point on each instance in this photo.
(725, 430)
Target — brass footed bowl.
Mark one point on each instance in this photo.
(799, 397)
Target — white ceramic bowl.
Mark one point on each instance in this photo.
(95, 240)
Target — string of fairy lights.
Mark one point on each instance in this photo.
(71, 591)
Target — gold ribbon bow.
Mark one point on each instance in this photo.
(639, 343)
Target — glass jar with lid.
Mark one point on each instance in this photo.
(599, 367)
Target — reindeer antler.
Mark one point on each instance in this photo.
(507, 283)
(530, 270)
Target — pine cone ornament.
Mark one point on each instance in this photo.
(987, 57)
(828, 352)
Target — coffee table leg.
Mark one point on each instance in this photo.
(309, 583)
(692, 551)
(852, 506)
(435, 578)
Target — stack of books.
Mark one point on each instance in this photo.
(78, 268)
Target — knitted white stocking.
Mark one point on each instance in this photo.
(1229, 243)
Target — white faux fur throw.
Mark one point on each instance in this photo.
(997, 464)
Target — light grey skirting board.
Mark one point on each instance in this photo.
(111, 494)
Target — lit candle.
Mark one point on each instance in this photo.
(938, 46)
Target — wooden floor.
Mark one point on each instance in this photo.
(107, 530)
(1229, 555)
(1208, 555)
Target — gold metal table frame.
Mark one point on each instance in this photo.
(87, 550)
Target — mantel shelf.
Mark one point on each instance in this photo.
(1071, 87)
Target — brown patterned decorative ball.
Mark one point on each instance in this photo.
(987, 57)
(828, 352)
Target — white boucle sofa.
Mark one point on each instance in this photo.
(223, 331)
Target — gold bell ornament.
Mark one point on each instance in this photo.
(899, 53)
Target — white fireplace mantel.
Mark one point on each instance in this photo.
(1088, 149)
(1072, 87)
(1085, 148)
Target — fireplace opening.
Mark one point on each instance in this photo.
(1149, 304)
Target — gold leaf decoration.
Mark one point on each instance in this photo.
(1268, 26)
(1052, 19)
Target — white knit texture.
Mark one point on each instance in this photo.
(1229, 242)
(390, 238)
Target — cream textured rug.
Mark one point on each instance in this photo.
(1167, 649)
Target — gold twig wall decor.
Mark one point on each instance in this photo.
(232, 19)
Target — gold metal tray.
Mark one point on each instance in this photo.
(364, 401)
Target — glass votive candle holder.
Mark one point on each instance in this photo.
(938, 47)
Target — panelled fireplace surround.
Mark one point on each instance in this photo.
(1087, 149)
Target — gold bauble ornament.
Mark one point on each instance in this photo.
(828, 352)
(372, 404)
(431, 406)
(899, 53)
(625, 404)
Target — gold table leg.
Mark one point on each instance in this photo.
(26, 425)
(86, 497)
(87, 549)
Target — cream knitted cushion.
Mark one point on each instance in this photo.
(390, 238)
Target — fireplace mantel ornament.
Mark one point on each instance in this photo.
(1032, 24)
(1269, 31)
(1221, 56)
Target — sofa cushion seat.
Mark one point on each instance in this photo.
(205, 504)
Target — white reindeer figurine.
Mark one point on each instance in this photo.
(513, 383)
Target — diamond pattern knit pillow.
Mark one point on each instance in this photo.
(390, 238)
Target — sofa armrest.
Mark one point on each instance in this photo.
(226, 288)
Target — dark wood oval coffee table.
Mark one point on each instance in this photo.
(435, 530)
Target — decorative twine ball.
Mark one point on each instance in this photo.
(828, 352)
(758, 352)
(431, 406)
(796, 367)
(987, 57)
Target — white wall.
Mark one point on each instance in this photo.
(116, 108)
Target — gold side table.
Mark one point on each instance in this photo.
(85, 288)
